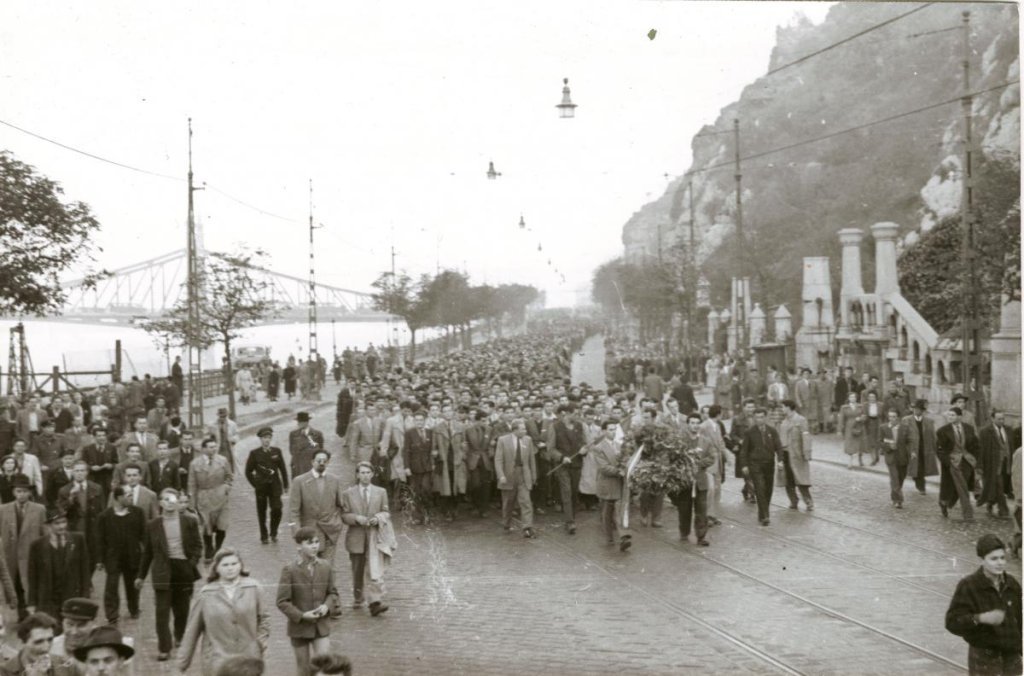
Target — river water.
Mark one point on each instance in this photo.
(75, 346)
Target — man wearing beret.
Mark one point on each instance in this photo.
(986, 612)
(266, 472)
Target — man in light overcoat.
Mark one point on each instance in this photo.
(315, 501)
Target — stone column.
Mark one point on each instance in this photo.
(852, 286)
(783, 324)
(817, 293)
(886, 279)
(712, 327)
(1006, 362)
(758, 325)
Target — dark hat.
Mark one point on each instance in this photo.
(104, 636)
(302, 416)
(804, 369)
(958, 395)
(54, 513)
(222, 411)
(21, 481)
(921, 404)
(265, 432)
(988, 543)
(80, 609)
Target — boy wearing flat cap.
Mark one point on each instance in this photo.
(266, 472)
(986, 612)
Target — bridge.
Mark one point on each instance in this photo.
(148, 289)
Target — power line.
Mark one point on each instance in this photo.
(91, 155)
(848, 130)
(848, 39)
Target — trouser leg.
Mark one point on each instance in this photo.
(275, 514)
(574, 484)
(700, 514)
(163, 620)
(566, 493)
(111, 599)
(181, 595)
(358, 561)
(608, 521)
(684, 506)
(763, 477)
(714, 494)
(261, 512)
(219, 536)
(374, 589)
(805, 493)
(790, 480)
(963, 494)
(301, 648)
(128, 573)
(508, 498)
(19, 591)
(523, 496)
(207, 545)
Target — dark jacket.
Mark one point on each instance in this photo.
(843, 389)
(975, 594)
(97, 457)
(55, 480)
(760, 448)
(297, 594)
(155, 552)
(683, 393)
(568, 441)
(169, 478)
(74, 575)
(416, 451)
(121, 539)
(344, 411)
(993, 462)
(265, 470)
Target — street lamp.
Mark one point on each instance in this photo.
(491, 173)
(566, 109)
(539, 247)
(522, 223)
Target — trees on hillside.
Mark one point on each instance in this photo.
(41, 236)
(448, 301)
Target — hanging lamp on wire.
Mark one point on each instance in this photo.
(566, 109)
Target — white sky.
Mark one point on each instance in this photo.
(392, 108)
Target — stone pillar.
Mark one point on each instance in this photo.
(852, 286)
(817, 293)
(1006, 362)
(758, 325)
(783, 324)
(886, 279)
(712, 327)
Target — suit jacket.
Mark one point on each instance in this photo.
(8, 433)
(82, 519)
(478, 447)
(711, 438)
(609, 478)
(265, 470)
(945, 441)
(842, 390)
(363, 437)
(310, 507)
(23, 423)
(760, 448)
(908, 438)
(148, 502)
(443, 439)
(895, 452)
(47, 447)
(505, 460)
(301, 445)
(155, 552)
(74, 576)
(148, 444)
(16, 548)
(353, 505)
(568, 442)
(993, 461)
(57, 480)
(120, 538)
(416, 451)
(298, 593)
(95, 456)
(168, 478)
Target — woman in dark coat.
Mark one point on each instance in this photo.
(290, 376)
(273, 382)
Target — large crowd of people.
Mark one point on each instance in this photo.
(118, 484)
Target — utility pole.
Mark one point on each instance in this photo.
(692, 221)
(194, 287)
(391, 296)
(969, 313)
(313, 350)
(740, 316)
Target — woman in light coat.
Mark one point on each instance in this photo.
(229, 614)
(851, 422)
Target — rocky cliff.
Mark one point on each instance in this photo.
(807, 176)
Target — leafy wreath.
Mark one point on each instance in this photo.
(667, 464)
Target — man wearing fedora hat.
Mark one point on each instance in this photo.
(916, 436)
(58, 567)
(303, 442)
(105, 653)
(265, 470)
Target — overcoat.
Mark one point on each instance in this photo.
(909, 439)
(16, 547)
(852, 423)
(209, 487)
(228, 626)
(455, 437)
(795, 434)
(993, 462)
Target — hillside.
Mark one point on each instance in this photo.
(905, 170)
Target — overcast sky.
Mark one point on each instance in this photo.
(392, 108)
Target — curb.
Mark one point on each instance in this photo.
(933, 481)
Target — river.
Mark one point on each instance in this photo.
(90, 347)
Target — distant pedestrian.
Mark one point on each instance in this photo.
(274, 382)
(852, 423)
(986, 612)
(303, 442)
(307, 595)
(994, 458)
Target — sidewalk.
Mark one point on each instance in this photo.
(265, 412)
(827, 448)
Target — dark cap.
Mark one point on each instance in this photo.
(222, 411)
(988, 543)
(303, 416)
(265, 432)
(80, 609)
(55, 513)
(104, 636)
(957, 397)
(921, 404)
(21, 481)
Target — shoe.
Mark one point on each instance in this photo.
(945, 511)
(656, 524)
(508, 529)
(376, 608)
(134, 615)
(572, 529)
(645, 521)
(273, 538)
(625, 543)
(899, 505)
(528, 533)
(874, 462)
(539, 510)
(714, 521)
(357, 604)
(794, 506)
(264, 541)
(163, 657)
(810, 506)
(922, 492)
(703, 543)
(765, 522)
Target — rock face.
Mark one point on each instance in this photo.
(800, 191)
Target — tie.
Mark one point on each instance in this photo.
(519, 453)
(19, 512)
(959, 435)
(135, 496)
(82, 496)
(366, 496)
(1002, 437)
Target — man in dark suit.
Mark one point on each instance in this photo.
(82, 502)
(478, 464)
(419, 466)
(365, 511)
(265, 470)
(760, 454)
(844, 386)
(102, 457)
(306, 594)
(120, 536)
(917, 435)
(956, 446)
(994, 454)
(163, 472)
(58, 567)
(303, 442)
(569, 440)
(59, 476)
(683, 394)
(897, 459)
(21, 524)
(173, 548)
(186, 454)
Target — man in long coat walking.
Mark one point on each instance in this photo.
(917, 436)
